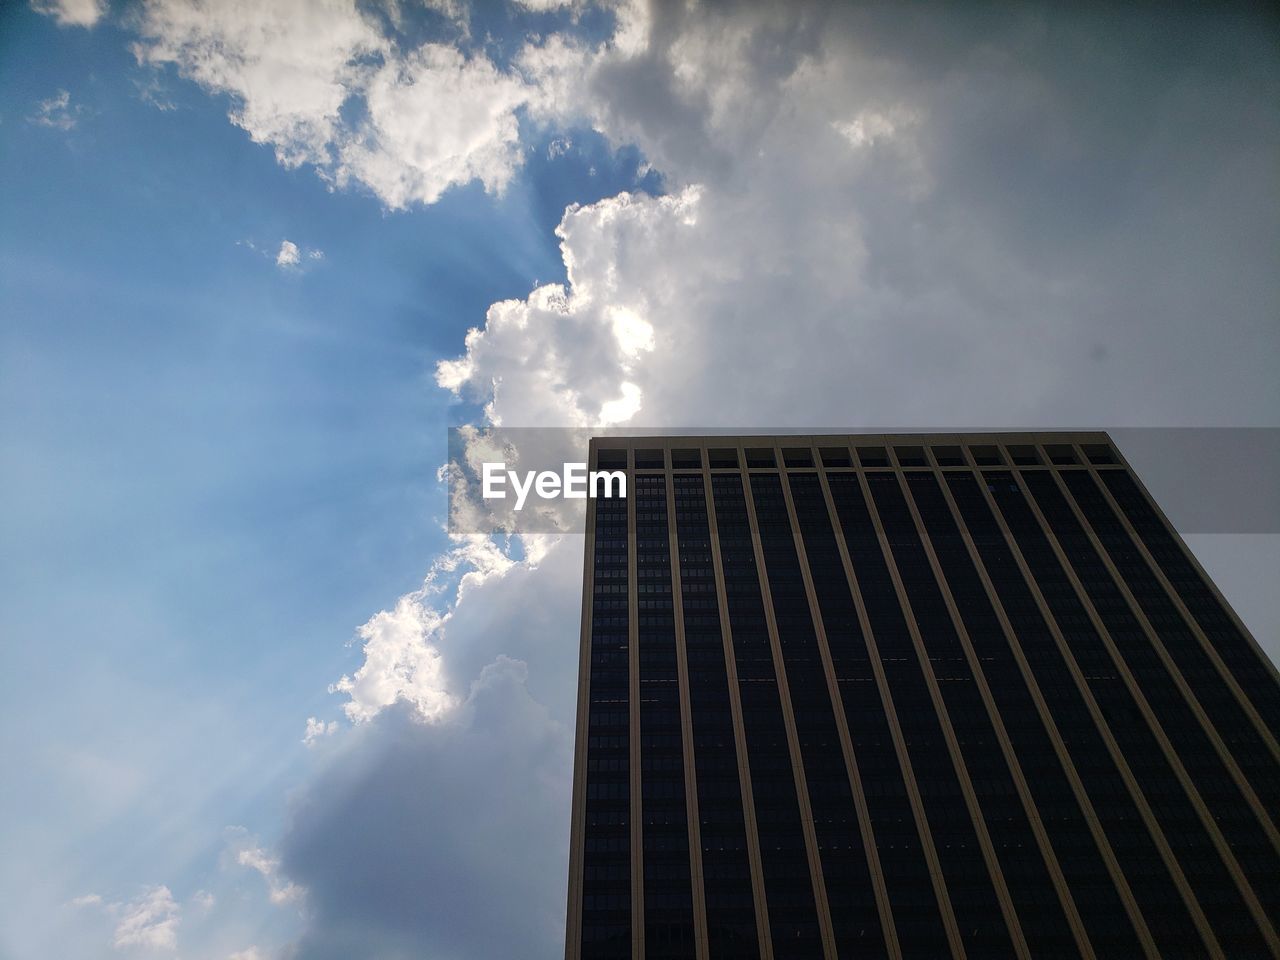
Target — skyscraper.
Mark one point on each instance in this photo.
(912, 696)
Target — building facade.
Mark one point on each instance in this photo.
(912, 696)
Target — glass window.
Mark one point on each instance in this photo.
(723, 458)
(686, 459)
(614, 459)
(1099, 453)
(910, 456)
(985, 456)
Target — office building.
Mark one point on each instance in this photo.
(912, 696)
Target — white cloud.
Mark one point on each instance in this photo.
(546, 5)
(57, 112)
(455, 12)
(150, 921)
(72, 13)
(435, 119)
(88, 900)
(633, 333)
(249, 953)
(288, 65)
(203, 900)
(868, 127)
(562, 357)
(401, 646)
(288, 255)
(401, 663)
(555, 70)
(623, 408)
(247, 853)
(292, 257)
(317, 729)
(432, 118)
(151, 90)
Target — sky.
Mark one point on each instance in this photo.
(256, 257)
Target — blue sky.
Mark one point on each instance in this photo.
(217, 467)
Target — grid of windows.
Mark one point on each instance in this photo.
(855, 917)
(1242, 832)
(1085, 688)
(968, 882)
(1209, 687)
(606, 861)
(1053, 799)
(668, 894)
(1241, 657)
(1082, 751)
(901, 860)
(784, 860)
(1188, 836)
(731, 919)
(943, 694)
(1022, 863)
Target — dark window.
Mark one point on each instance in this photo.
(910, 456)
(615, 459)
(1099, 453)
(1060, 453)
(873, 457)
(835, 457)
(797, 457)
(723, 458)
(1024, 455)
(650, 460)
(986, 456)
(949, 456)
(760, 457)
(686, 459)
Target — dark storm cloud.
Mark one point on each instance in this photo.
(438, 841)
